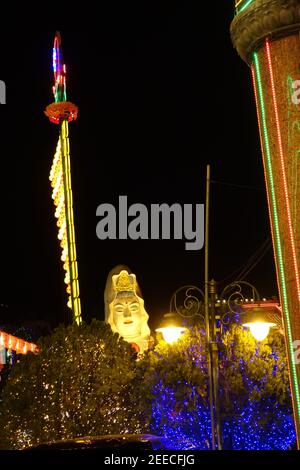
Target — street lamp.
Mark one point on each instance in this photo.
(258, 324)
(231, 306)
(171, 327)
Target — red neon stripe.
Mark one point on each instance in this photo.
(265, 170)
(283, 169)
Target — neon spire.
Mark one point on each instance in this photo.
(62, 112)
(59, 70)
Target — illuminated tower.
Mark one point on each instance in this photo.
(266, 36)
(62, 112)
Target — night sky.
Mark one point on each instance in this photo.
(161, 94)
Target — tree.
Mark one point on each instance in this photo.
(254, 391)
(80, 383)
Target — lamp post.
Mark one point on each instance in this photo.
(232, 305)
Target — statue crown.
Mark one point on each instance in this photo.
(124, 282)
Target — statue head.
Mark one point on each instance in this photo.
(124, 308)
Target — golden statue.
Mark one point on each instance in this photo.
(124, 308)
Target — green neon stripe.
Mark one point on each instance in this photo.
(243, 7)
(276, 226)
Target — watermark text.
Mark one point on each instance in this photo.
(160, 222)
(2, 92)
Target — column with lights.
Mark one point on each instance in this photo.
(62, 112)
(266, 36)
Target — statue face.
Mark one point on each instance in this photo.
(127, 315)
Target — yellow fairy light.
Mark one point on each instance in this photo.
(62, 230)
(59, 208)
(64, 254)
(61, 219)
(59, 195)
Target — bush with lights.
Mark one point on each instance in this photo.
(256, 411)
(87, 381)
(254, 392)
(81, 383)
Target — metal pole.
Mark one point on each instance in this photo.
(207, 316)
(215, 361)
(206, 293)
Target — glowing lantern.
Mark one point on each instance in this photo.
(259, 321)
(171, 328)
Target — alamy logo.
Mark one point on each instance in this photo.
(2, 92)
(296, 93)
(160, 222)
(296, 347)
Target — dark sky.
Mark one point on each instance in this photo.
(161, 94)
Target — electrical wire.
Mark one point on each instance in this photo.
(250, 264)
(246, 271)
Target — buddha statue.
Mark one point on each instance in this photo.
(124, 308)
